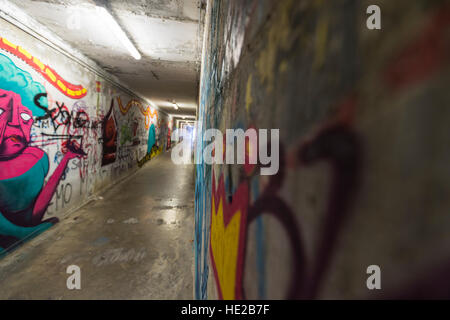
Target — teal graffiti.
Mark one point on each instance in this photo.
(151, 138)
(20, 81)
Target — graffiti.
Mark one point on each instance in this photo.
(146, 112)
(125, 134)
(283, 236)
(63, 195)
(236, 23)
(61, 116)
(109, 128)
(335, 143)
(98, 89)
(20, 81)
(225, 210)
(24, 198)
(169, 138)
(151, 118)
(58, 145)
(128, 134)
(68, 89)
(151, 138)
(424, 55)
(150, 155)
(154, 147)
(119, 255)
(227, 243)
(24, 165)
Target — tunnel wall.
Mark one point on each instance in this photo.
(80, 133)
(363, 178)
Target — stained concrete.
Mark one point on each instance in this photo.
(135, 241)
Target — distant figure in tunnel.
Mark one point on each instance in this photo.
(23, 196)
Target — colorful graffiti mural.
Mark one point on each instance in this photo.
(24, 197)
(109, 127)
(59, 142)
(70, 90)
(339, 199)
(150, 116)
(228, 236)
(151, 138)
(156, 128)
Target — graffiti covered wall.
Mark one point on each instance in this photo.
(363, 178)
(65, 134)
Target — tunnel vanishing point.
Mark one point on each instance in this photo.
(313, 137)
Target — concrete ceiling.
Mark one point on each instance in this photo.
(167, 33)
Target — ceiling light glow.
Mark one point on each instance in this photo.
(117, 31)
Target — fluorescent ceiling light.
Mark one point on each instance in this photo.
(183, 116)
(114, 27)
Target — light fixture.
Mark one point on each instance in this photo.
(187, 116)
(115, 29)
(175, 105)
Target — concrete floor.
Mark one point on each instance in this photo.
(135, 243)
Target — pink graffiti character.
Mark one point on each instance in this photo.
(23, 168)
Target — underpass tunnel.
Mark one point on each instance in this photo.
(93, 94)
(212, 149)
